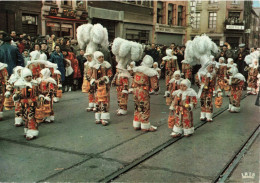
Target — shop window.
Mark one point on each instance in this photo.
(29, 24)
(170, 12)
(137, 35)
(212, 20)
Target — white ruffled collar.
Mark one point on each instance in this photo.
(105, 64)
(146, 70)
(189, 92)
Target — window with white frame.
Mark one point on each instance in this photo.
(196, 22)
(212, 20)
(213, 1)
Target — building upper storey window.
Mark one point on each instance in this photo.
(159, 11)
(66, 3)
(212, 20)
(235, 2)
(196, 22)
(213, 1)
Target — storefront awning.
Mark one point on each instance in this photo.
(70, 19)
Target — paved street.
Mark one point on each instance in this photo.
(75, 149)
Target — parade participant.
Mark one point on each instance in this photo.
(185, 100)
(174, 84)
(131, 72)
(144, 78)
(3, 80)
(252, 77)
(10, 91)
(157, 69)
(86, 87)
(236, 81)
(102, 73)
(47, 89)
(207, 81)
(121, 81)
(26, 90)
(186, 70)
(171, 65)
(221, 68)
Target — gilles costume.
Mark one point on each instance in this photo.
(186, 70)
(121, 81)
(102, 73)
(174, 86)
(182, 105)
(252, 77)
(207, 83)
(10, 91)
(221, 74)
(171, 65)
(90, 89)
(3, 80)
(236, 82)
(47, 87)
(144, 78)
(26, 94)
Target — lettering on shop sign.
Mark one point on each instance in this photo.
(171, 30)
(235, 27)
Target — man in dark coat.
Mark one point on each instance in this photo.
(153, 53)
(57, 58)
(225, 52)
(81, 60)
(239, 59)
(10, 55)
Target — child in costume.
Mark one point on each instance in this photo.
(252, 77)
(236, 81)
(185, 100)
(121, 81)
(207, 81)
(157, 69)
(102, 73)
(221, 68)
(88, 71)
(26, 94)
(144, 78)
(186, 70)
(3, 80)
(47, 87)
(171, 65)
(175, 83)
(9, 92)
(131, 72)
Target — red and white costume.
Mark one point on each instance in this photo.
(102, 73)
(144, 78)
(182, 105)
(26, 93)
(3, 80)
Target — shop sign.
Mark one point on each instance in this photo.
(235, 27)
(53, 11)
(50, 24)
